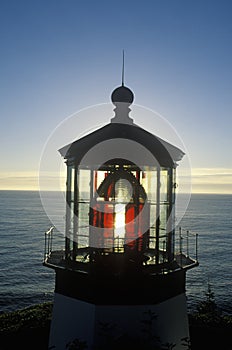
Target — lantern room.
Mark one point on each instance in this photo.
(120, 195)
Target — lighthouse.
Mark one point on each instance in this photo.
(119, 279)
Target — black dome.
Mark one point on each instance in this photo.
(122, 94)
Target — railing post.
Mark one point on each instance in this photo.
(187, 237)
(45, 245)
(196, 246)
(180, 238)
(180, 243)
(51, 231)
(48, 233)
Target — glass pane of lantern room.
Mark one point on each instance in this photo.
(71, 203)
(149, 183)
(70, 193)
(99, 176)
(69, 207)
(70, 183)
(164, 210)
(163, 185)
(84, 184)
(83, 207)
(165, 243)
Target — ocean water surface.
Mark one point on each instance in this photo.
(25, 281)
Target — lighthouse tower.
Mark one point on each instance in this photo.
(119, 281)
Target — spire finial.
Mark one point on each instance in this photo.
(122, 67)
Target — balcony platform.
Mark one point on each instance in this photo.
(116, 263)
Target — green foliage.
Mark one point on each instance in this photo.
(208, 313)
(37, 316)
(208, 306)
(227, 320)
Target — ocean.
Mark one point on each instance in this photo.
(24, 281)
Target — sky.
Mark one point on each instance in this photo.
(60, 57)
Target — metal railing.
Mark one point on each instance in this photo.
(48, 242)
(186, 248)
(187, 245)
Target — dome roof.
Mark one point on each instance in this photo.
(166, 154)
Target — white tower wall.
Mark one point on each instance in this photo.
(74, 319)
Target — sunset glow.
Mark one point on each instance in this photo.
(204, 180)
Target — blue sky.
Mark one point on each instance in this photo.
(58, 57)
